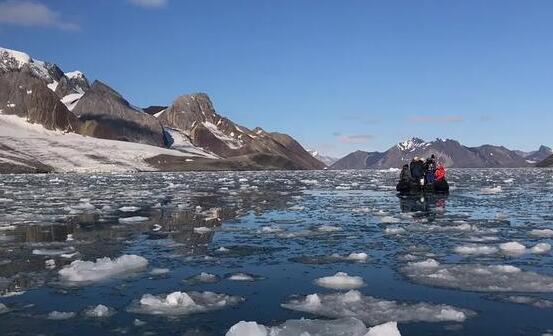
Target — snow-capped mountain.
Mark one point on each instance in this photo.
(44, 101)
(449, 152)
(327, 160)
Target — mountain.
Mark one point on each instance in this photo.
(327, 160)
(195, 117)
(108, 115)
(51, 120)
(450, 152)
(541, 154)
(547, 162)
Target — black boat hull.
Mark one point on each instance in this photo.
(438, 187)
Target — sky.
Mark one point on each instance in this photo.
(338, 75)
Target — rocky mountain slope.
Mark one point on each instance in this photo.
(449, 152)
(548, 162)
(194, 116)
(55, 110)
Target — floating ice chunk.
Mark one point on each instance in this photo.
(512, 248)
(304, 327)
(509, 180)
(138, 323)
(47, 252)
(329, 228)
(428, 263)
(159, 271)
(133, 219)
(50, 264)
(3, 308)
(57, 315)
(222, 249)
(182, 303)
(10, 294)
(359, 257)
(244, 328)
(202, 229)
(394, 231)
(374, 310)
(340, 280)
(475, 250)
(389, 220)
(542, 233)
(129, 209)
(386, 329)
(492, 190)
(541, 248)
(203, 278)
(244, 277)
(529, 300)
(103, 268)
(270, 229)
(99, 311)
(480, 278)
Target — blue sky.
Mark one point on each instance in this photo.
(337, 75)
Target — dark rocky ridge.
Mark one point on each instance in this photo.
(28, 97)
(109, 116)
(548, 162)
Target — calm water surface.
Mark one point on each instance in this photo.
(285, 230)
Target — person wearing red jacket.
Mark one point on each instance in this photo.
(439, 175)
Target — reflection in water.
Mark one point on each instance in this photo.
(423, 205)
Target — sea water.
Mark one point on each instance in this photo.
(196, 253)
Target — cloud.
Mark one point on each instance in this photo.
(361, 119)
(32, 14)
(357, 139)
(436, 119)
(150, 3)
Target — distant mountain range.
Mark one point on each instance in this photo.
(56, 121)
(449, 152)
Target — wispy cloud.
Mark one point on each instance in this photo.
(150, 3)
(357, 139)
(436, 119)
(361, 119)
(32, 14)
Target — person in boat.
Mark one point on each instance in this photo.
(417, 170)
(405, 175)
(430, 169)
(439, 175)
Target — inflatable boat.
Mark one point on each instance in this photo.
(438, 187)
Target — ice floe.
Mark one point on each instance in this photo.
(491, 190)
(133, 219)
(476, 250)
(529, 300)
(203, 278)
(57, 315)
(244, 277)
(182, 303)
(542, 233)
(159, 271)
(340, 280)
(512, 248)
(99, 311)
(305, 327)
(374, 310)
(103, 268)
(480, 278)
(129, 209)
(541, 248)
(3, 308)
